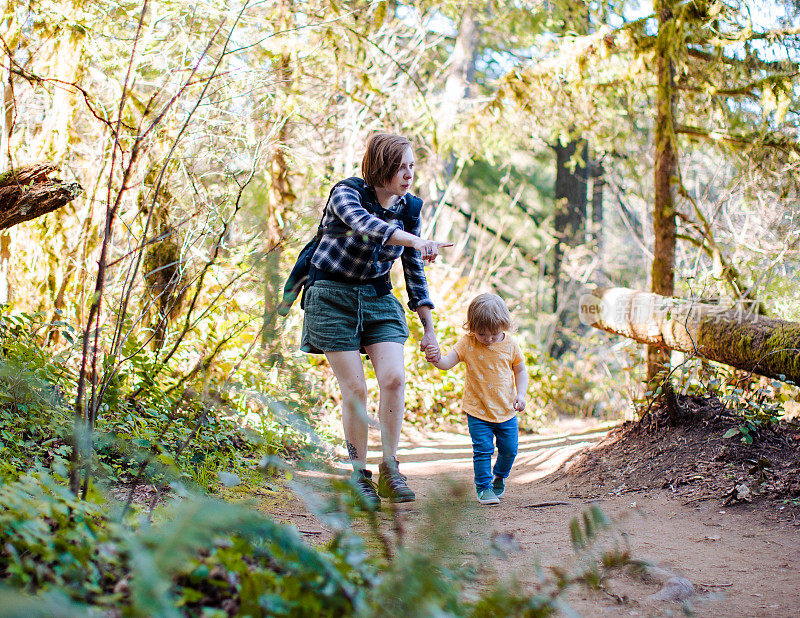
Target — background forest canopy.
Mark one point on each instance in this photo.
(206, 135)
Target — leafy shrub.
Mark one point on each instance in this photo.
(35, 418)
(160, 434)
(52, 540)
(760, 401)
(201, 552)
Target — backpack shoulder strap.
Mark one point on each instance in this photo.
(413, 209)
(354, 183)
(367, 194)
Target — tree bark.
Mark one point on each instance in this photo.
(30, 192)
(571, 193)
(460, 80)
(459, 90)
(6, 127)
(596, 229)
(6, 113)
(664, 228)
(281, 194)
(735, 337)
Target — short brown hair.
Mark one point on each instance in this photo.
(383, 158)
(488, 313)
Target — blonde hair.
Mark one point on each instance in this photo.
(488, 313)
(383, 157)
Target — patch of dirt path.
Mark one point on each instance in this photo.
(741, 560)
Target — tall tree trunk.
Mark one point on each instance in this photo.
(6, 120)
(596, 230)
(461, 66)
(281, 198)
(571, 193)
(163, 271)
(459, 85)
(664, 228)
(63, 57)
(281, 195)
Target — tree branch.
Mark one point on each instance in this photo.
(30, 192)
(506, 239)
(771, 140)
(751, 62)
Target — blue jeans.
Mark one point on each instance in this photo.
(484, 434)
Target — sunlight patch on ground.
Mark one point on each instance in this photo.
(449, 453)
(546, 462)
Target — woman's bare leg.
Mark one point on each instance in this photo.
(387, 359)
(349, 371)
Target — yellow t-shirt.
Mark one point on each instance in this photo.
(489, 391)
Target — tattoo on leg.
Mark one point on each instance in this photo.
(352, 451)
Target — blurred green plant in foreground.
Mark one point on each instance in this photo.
(204, 557)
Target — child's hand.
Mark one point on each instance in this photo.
(432, 354)
(519, 404)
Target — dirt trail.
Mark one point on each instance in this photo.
(741, 561)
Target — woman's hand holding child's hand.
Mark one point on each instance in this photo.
(432, 354)
(430, 346)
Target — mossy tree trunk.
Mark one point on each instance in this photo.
(736, 337)
(6, 124)
(458, 92)
(281, 194)
(280, 202)
(664, 228)
(164, 274)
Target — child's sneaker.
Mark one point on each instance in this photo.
(486, 496)
(498, 486)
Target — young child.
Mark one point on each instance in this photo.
(494, 391)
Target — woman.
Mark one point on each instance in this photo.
(349, 307)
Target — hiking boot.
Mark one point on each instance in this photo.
(498, 486)
(487, 496)
(392, 484)
(366, 489)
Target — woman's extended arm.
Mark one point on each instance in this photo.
(429, 249)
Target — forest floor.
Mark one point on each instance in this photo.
(669, 490)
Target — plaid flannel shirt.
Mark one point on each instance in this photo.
(362, 252)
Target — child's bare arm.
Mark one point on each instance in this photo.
(521, 382)
(447, 362)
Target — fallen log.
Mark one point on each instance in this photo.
(733, 336)
(32, 191)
